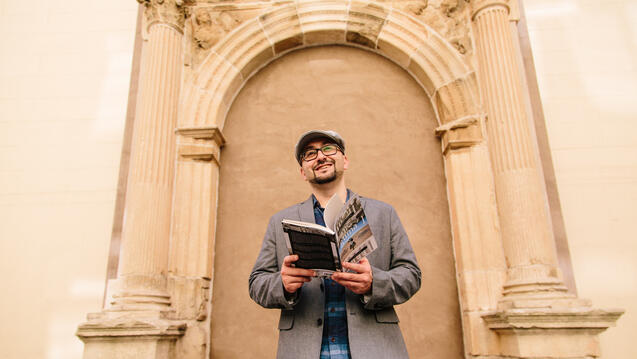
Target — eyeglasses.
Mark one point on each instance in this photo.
(328, 150)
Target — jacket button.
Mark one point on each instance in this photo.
(319, 321)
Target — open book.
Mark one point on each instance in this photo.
(347, 237)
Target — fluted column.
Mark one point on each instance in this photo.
(536, 317)
(526, 228)
(139, 320)
(144, 254)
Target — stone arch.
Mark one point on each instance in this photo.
(409, 43)
(449, 83)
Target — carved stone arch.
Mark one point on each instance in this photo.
(209, 91)
(414, 46)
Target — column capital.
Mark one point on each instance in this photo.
(168, 12)
(479, 5)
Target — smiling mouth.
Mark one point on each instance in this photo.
(321, 166)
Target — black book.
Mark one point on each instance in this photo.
(321, 248)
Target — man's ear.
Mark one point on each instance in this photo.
(345, 162)
(303, 174)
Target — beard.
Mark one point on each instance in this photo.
(328, 178)
(322, 180)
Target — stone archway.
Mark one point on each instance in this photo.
(414, 46)
(447, 81)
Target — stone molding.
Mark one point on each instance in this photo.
(203, 133)
(552, 318)
(376, 27)
(200, 143)
(463, 132)
(130, 327)
(210, 22)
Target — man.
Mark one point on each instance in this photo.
(349, 315)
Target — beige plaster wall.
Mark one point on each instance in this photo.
(584, 53)
(388, 125)
(64, 78)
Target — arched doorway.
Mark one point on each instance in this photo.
(388, 122)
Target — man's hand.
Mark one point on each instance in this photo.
(359, 282)
(293, 278)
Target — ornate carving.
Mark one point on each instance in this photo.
(208, 27)
(171, 12)
(210, 24)
(450, 18)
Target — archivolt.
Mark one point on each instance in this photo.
(406, 41)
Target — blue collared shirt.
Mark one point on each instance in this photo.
(335, 344)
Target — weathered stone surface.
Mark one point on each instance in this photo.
(450, 18)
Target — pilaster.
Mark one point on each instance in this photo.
(480, 265)
(139, 320)
(193, 234)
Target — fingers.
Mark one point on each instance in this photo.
(358, 287)
(351, 277)
(288, 260)
(293, 278)
(292, 288)
(362, 266)
(292, 283)
(359, 282)
(287, 269)
(297, 272)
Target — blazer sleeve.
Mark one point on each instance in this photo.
(266, 287)
(402, 280)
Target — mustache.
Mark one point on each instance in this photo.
(323, 161)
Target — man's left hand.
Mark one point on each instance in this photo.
(359, 282)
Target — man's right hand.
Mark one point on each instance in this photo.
(293, 278)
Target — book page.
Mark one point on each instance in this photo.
(355, 237)
(332, 210)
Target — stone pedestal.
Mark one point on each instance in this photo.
(107, 336)
(551, 332)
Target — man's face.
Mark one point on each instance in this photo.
(323, 169)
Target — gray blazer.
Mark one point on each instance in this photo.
(373, 326)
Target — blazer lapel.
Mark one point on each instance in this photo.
(306, 210)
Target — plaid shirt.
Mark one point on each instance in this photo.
(335, 344)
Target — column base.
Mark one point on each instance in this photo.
(543, 300)
(555, 331)
(130, 335)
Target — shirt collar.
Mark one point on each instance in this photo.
(316, 204)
